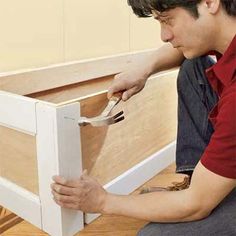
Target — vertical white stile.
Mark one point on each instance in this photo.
(58, 153)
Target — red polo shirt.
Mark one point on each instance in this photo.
(220, 154)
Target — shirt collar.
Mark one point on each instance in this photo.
(225, 68)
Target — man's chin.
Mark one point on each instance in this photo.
(189, 54)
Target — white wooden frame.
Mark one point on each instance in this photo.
(58, 144)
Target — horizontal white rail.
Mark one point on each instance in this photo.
(18, 112)
(20, 201)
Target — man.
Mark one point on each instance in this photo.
(206, 141)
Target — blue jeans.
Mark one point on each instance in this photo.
(195, 100)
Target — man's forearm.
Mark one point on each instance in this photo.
(155, 207)
(164, 58)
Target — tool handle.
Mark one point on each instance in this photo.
(113, 101)
(116, 97)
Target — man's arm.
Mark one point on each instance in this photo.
(133, 80)
(194, 203)
(164, 58)
(206, 191)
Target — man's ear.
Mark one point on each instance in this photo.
(213, 6)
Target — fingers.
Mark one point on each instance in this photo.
(62, 181)
(63, 184)
(65, 201)
(67, 192)
(68, 187)
(118, 85)
(112, 90)
(129, 93)
(62, 198)
(125, 95)
(110, 93)
(67, 205)
(84, 175)
(62, 189)
(128, 89)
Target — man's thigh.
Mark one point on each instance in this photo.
(221, 222)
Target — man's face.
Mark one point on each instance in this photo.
(188, 34)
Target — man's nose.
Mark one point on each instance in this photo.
(166, 35)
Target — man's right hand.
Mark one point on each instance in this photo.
(129, 82)
(133, 80)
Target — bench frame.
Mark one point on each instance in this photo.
(58, 142)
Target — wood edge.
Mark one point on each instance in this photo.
(74, 62)
(74, 72)
(164, 73)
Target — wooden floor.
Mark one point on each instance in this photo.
(11, 225)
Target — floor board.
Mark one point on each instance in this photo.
(11, 225)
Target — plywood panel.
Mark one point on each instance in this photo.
(18, 161)
(75, 91)
(150, 124)
(144, 33)
(31, 33)
(95, 28)
(79, 90)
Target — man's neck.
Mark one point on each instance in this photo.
(226, 33)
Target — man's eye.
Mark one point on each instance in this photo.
(165, 21)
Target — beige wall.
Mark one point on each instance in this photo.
(39, 33)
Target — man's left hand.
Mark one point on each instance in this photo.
(84, 194)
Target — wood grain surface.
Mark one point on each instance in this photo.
(18, 158)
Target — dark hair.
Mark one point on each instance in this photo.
(229, 6)
(143, 8)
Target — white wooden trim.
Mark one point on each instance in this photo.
(139, 174)
(18, 112)
(20, 201)
(67, 73)
(59, 153)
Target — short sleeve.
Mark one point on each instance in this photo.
(220, 154)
